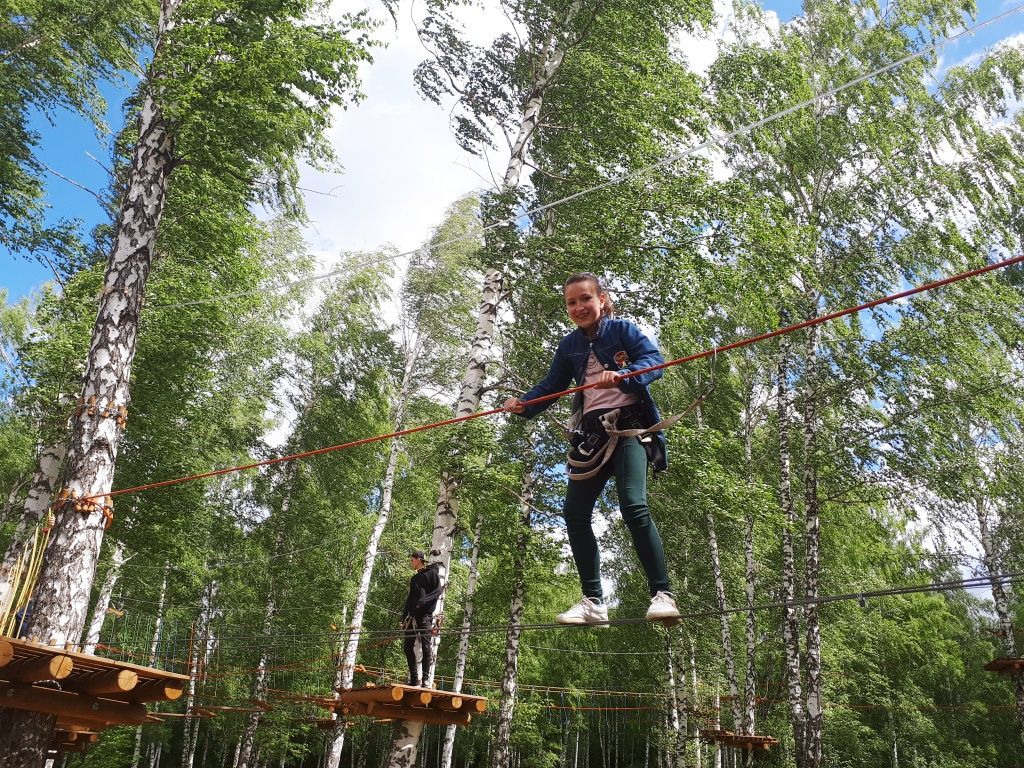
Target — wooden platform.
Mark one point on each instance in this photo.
(86, 693)
(1005, 666)
(740, 740)
(406, 702)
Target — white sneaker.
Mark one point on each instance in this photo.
(663, 606)
(586, 611)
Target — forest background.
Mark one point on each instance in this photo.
(898, 432)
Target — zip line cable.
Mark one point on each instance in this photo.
(665, 161)
(713, 352)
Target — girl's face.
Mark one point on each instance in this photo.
(584, 303)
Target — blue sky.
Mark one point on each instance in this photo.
(397, 137)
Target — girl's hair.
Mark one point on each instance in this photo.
(583, 277)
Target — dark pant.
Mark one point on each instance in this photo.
(418, 629)
(629, 465)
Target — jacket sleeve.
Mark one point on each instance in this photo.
(410, 601)
(559, 377)
(642, 353)
(432, 595)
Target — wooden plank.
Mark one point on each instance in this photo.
(48, 701)
(29, 648)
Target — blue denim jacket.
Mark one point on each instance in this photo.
(619, 346)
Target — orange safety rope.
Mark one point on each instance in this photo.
(555, 395)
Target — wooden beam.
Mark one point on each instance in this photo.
(63, 703)
(6, 652)
(400, 712)
(112, 681)
(64, 723)
(417, 698)
(448, 703)
(34, 670)
(75, 736)
(152, 690)
(363, 695)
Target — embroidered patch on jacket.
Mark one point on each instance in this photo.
(620, 358)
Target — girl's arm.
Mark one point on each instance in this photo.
(642, 353)
(559, 377)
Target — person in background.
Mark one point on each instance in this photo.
(425, 588)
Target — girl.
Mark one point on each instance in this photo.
(599, 352)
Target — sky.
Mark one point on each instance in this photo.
(402, 167)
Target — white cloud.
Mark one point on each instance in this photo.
(402, 167)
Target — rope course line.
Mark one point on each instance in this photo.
(975, 582)
(616, 180)
(713, 352)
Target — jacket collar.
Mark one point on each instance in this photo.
(597, 334)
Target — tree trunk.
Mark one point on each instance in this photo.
(790, 615)
(720, 601)
(812, 551)
(99, 612)
(37, 502)
(247, 743)
(750, 583)
(202, 646)
(463, 655)
(677, 713)
(1001, 600)
(698, 759)
(346, 672)
(717, 724)
(65, 583)
(510, 678)
(405, 735)
(154, 646)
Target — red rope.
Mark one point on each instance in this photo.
(678, 361)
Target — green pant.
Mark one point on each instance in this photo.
(629, 465)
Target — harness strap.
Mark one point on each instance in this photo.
(609, 421)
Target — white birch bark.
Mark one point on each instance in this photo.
(202, 647)
(717, 724)
(99, 611)
(463, 654)
(405, 736)
(37, 502)
(65, 583)
(1000, 598)
(815, 719)
(247, 743)
(699, 759)
(676, 711)
(720, 600)
(153, 648)
(510, 677)
(790, 615)
(750, 582)
(336, 742)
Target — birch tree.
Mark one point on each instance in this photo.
(178, 123)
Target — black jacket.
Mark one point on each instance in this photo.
(425, 588)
